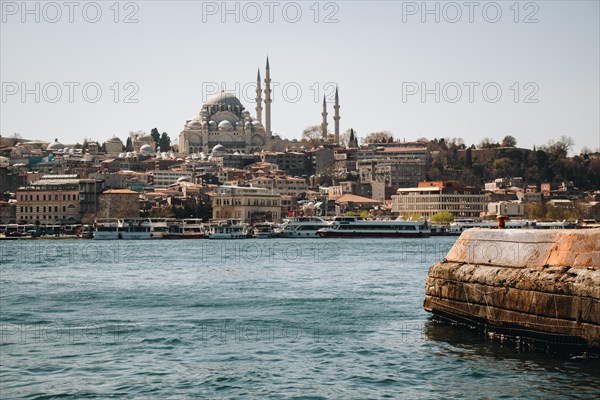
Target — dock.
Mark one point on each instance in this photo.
(541, 287)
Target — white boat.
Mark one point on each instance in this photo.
(227, 229)
(556, 225)
(132, 229)
(301, 227)
(159, 227)
(357, 227)
(263, 231)
(459, 226)
(191, 228)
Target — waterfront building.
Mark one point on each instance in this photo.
(249, 204)
(430, 198)
(54, 199)
(89, 189)
(118, 203)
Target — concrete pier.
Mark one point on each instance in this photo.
(537, 284)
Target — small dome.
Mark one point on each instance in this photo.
(183, 179)
(194, 124)
(218, 149)
(56, 145)
(114, 139)
(146, 149)
(225, 126)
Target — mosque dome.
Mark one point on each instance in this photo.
(56, 145)
(114, 139)
(183, 179)
(146, 149)
(225, 126)
(218, 149)
(223, 98)
(194, 124)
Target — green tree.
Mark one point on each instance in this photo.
(165, 142)
(156, 136)
(129, 144)
(469, 158)
(443, 217)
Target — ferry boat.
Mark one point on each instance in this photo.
(263, 231)
(127, 229)
(459, 226)
(191, 228)
(301, 227)
(159, 227)
(227, 229)
(357, 227)
(556, 225)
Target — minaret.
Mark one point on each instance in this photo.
(336, 117)
(268, 101)
(258, 97)
(324, 123)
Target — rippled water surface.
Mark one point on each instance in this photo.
(315, 318)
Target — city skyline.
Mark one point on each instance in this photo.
(397, 69)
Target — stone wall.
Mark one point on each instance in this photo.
(542, 284)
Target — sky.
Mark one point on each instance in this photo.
(436, 69)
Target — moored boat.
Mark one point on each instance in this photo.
(113, 228)
(356, 227)
(301, 227)
(191, 228)
(263, 231)
(227, 229)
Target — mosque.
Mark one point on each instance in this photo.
(224, 121)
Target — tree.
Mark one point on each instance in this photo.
(487, 143)
(165, 142)
(129, 144)
(378, 137)
(469, 158)
(156, 136)
(345, 138)
(16, 135)
(443, 217)
(509, 141)
(313, 135)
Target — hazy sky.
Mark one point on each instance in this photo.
(482, 69)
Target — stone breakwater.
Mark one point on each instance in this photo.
(541, 285)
